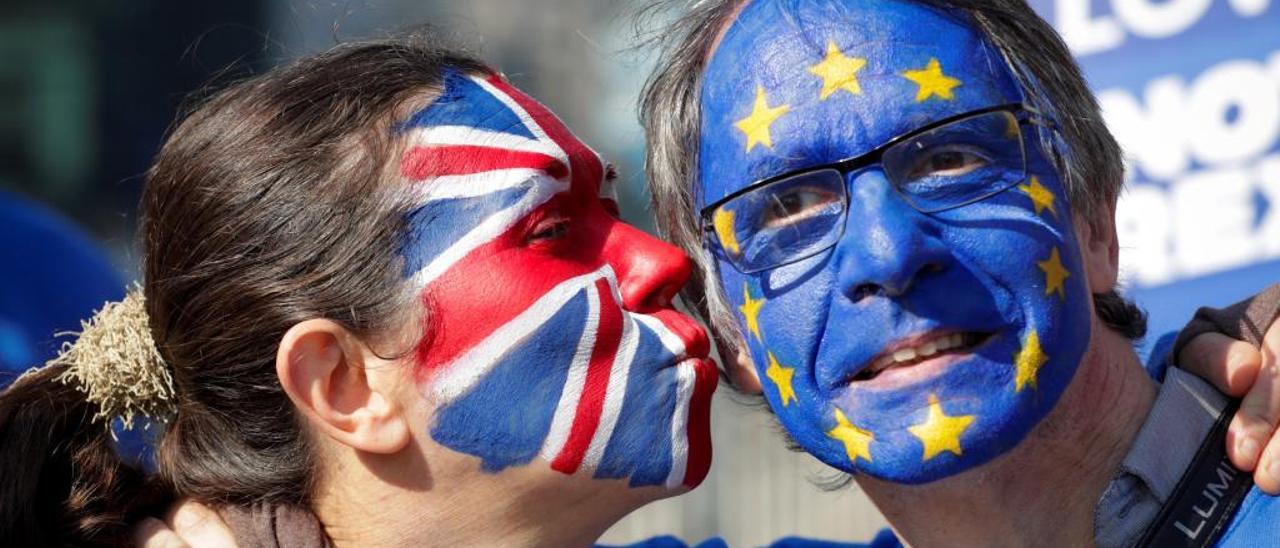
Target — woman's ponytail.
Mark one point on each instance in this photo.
(61, 482)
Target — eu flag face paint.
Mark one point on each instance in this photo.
(915, 345)
(550, 333)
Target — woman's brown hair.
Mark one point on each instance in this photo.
(271, 203)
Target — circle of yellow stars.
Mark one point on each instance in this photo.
(938, 432)
(839, 72)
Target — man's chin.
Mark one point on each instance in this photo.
(899, 456)
(905, 467)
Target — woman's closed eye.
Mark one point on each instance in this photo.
(548, 230)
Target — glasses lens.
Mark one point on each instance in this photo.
(958, 163)
(781, 222)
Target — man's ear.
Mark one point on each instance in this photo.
(1099, 249)
(324, 370)
(739, 367)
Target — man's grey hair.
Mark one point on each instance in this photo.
(1086, 155)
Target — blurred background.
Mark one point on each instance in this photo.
(88, 88)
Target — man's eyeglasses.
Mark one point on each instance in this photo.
(946, 164)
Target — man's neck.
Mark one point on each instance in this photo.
(1046, 488)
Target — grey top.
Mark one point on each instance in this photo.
(1184, 412)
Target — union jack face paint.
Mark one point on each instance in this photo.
(551, 337)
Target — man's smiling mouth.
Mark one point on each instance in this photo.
(933, 347)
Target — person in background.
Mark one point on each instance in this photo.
(53, 276)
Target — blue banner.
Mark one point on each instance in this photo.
(1191, 88)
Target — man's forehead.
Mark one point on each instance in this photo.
(770, 34)
(792, 79)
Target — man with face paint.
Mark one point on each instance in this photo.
(908, 210)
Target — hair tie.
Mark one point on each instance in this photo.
(114, 361)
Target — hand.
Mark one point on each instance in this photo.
(187, 524)
(1239, 369)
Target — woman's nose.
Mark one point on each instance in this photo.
(650, 271)
(887, 245)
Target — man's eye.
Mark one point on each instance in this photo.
(549, 230)
(797, 204)
(947, 161)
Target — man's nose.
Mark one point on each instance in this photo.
(650, 271)
(887, 245)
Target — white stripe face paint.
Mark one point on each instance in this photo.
(460, 376)
(470, 136)
(670, 340)
(616, 391)
(444, 187)
(543, 189)
(685, 376)
(567, 409)
(529, 122)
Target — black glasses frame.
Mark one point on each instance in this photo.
(1021, 111)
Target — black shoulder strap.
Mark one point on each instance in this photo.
(1206, 498)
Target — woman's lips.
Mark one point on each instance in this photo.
(694, 338)
(704, 366)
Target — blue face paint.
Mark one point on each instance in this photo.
(919, 345)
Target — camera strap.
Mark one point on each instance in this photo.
(1206, 498)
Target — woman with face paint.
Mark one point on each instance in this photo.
(387, 300)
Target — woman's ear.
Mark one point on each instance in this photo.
(324, 370)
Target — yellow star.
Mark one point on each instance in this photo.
(1028, 361)
(750, 309)
(723, 221)
(1054, 274)
(940, 432)
(1041, 197)
(838, 72)
(1011, 129)
(756, 125)
(932, 81)
(781, 376)
(857, 442)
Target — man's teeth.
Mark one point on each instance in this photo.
(924, 350)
